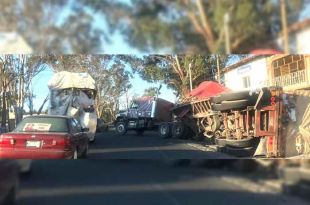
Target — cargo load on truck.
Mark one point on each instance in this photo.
(73, 94)
(194, 116)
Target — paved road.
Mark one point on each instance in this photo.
(113, 182)
(110, 145)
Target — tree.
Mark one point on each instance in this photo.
(7, 76)
(16, 74)
(151, 92)
(56, 26)
(173, 70)
(195, 25)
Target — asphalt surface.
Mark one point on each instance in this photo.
(113, 182)
(109, 145)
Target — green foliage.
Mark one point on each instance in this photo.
(52, 26)
(151, 92)
(174, 71)
(162, 25)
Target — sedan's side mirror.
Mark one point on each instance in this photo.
(85, 129)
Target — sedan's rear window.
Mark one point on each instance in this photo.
(45, 124)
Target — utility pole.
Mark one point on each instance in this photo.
(284, 26)
(227, 34)
(190, 77)
(218, 68)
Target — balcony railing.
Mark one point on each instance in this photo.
(296, 78)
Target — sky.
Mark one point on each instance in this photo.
(118, 46)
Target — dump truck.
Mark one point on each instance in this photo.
(73, 94)
(144, 113)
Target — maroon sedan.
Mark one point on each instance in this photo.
(45, 137)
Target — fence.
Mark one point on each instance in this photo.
(296, 78)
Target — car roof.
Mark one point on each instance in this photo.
(49, 116)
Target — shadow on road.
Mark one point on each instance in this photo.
(136, 182)
(110, 145)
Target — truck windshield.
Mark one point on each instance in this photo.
(44, 124)
(134, 105)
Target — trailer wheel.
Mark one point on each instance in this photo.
(244, 143)
(231, 105)
(179, 130)
(121, 128)
(165, 130)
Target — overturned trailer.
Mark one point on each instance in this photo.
(245, 124)
(73, 94)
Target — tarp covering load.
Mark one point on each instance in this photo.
(208, 89)
(65, 80)
(148, 107)
(204, 91)
(73, 94)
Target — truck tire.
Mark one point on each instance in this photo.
(179, 130)
(233, 96)
(165, 130)
(231, 105)
(244, 143)
(85, 153)
(240, 152)
(121, 128)
(220, 142)
(216, 99)
(11, 197)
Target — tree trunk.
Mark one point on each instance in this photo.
(4, 110)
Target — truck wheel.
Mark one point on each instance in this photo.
(216, 99)
(85, 153)
(243, 95)
(240, 152)
(179, 130)
(244, 143)
(11, 197)
(231, 105)
(139, 132)
(165, 130)
(220, 142)
(121, 128)
(75, 154)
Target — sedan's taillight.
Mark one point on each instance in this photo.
(6, 141)
(61, 142)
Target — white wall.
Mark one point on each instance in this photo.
(299, 42)
(303, 41)
(256, 70)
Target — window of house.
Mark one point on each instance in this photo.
(288, 64)
(246, 81)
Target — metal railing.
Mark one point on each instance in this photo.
(296, 78)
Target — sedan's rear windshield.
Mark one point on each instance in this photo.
(45, 124)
